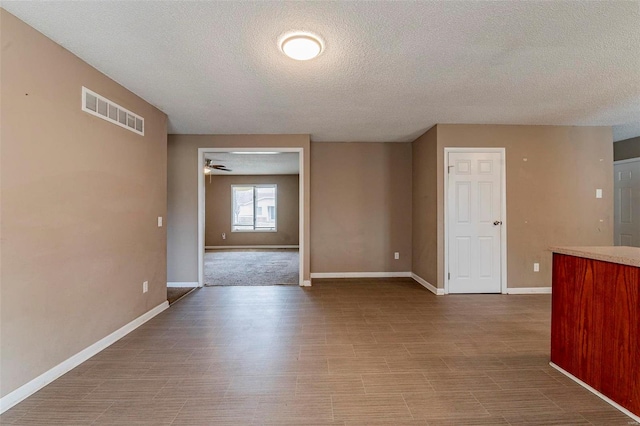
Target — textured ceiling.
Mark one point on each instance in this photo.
(284, 163)
(389, 71)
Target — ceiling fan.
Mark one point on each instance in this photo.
(209, 167)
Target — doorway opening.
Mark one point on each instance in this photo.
(250, 216)
(475, 240)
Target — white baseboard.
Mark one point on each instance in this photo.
(306, 283)
(182, 284)
(433, 289)
(360, 274)
(251, 247)
(529, 290)
(47, 377)
(598, 394)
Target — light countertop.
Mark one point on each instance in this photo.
(619, 254)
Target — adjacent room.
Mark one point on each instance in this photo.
(336, 213)
(252, 208)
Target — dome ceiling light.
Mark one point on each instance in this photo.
(301, 46)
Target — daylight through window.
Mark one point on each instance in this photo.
(253, 208)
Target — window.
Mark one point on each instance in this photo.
(253, 208)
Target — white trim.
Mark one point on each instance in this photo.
(251, 247)
(503, 213)
(606, 399)
(433, 289)
(47, 377)
(628, 160)
(254, 230)
(529, 290)
(302, 180)
(182, 284)
(360, 274)
(201, 203)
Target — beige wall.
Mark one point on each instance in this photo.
(425, 262)
(182, 197)
(360, 207)
(550, 197)
(626, 149)
(79, 202)
(218, 211)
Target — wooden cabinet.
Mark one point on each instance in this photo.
(595, 325)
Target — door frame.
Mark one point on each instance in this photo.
(503, 213)
(202, 195)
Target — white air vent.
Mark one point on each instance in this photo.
(102, 107)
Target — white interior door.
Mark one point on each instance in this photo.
(474, 221)
(627, 203)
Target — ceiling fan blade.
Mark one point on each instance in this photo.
(209, 164)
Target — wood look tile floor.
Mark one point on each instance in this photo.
(339, 353)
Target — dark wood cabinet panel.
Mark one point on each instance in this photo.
(595, 330)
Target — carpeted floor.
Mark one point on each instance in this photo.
(175, 293)
(251, 267)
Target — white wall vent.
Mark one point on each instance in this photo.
(102, 107)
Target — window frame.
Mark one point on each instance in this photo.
(255, 206)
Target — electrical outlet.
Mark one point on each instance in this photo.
(224, 236)
(159, 221)
(145, 286)
(536, 267)
(396, 255)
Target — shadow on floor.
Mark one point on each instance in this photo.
(176, 293)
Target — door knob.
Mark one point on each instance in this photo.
(497, 222)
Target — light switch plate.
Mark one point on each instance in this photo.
(598, 193)
(159, 221)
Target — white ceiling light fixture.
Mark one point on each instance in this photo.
(301, 46)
